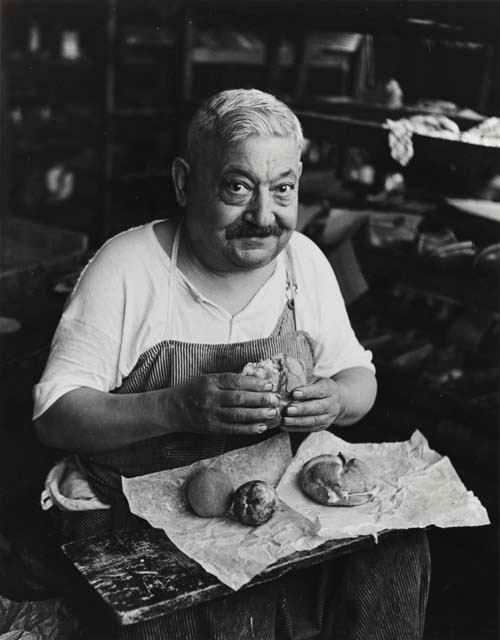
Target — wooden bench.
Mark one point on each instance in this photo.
(140, 575)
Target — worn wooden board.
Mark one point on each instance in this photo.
(140, 574)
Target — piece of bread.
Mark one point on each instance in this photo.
(269, 369)
(286, 374)
(255, 502)
(333, 481)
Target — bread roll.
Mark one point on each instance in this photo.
(286, 374)
(333, 481)
(255, 502)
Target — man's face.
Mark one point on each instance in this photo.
(242, 202)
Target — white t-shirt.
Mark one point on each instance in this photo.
(118, 310)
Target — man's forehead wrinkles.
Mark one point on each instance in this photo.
(287, 172)
(238, 169)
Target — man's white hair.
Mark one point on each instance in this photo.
(236, 114)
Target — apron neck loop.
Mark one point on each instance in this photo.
(291, 283)
(171, 280)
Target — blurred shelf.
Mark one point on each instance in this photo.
(146, 112)
(374, 136)
(140, 64)
(465, 30)
(147, 37)
(466, 287)
(406, 19)
(206, 55)
(345, 106)
(51, 147)
(140, 61)
(435, 401)
(142, 175)
(343, 129)
(35, 62)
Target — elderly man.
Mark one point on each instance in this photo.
(144, 368)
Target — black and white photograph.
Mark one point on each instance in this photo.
(249, 319)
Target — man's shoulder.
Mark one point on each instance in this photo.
(127, 247)
(121, 255)
(135, 236)
(305, 250)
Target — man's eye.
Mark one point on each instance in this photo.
(237, 187)
(284, 189)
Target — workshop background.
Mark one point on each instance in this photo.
(400, 103)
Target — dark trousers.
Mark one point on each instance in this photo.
(378, 593)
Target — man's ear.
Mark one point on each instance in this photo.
(180, 175)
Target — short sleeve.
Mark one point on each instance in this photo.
(85, 350)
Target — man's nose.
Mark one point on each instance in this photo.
(260, 209)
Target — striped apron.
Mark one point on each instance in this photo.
(294, 607)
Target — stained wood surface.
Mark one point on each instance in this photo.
(140, 574)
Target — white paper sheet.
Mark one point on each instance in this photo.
(417, 487)
(233, 552)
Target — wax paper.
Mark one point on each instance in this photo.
(233, 552)
(417, 487)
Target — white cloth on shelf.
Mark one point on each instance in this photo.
(401, 133)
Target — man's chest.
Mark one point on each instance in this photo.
(197, 318)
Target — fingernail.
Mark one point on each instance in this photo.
(298, 394)
(292, 411)
(271, 413)
(268, 386)
(261, 428)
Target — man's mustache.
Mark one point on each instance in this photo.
(247, 230)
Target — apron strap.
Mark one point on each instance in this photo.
(171, 280)
(291, 282)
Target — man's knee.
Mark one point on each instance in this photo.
(410, 549)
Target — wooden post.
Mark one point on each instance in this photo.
(109, 109)
(187, 31)
(4, 124)
(301, 63)
(272, 62)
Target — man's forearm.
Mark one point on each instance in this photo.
(358, 389)
(90, 421)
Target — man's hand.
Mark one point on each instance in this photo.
(314, 406)
(225, 403)
(341, 400)
(221, 403)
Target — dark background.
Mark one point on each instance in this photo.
(109, 118)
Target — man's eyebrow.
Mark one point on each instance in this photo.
(287, 173)
(232, 168)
